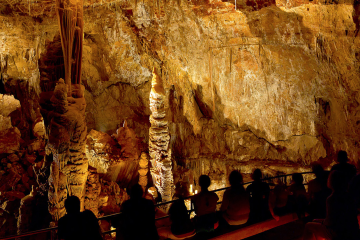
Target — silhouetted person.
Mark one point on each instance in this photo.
(343, 166)
(181, 225)
(298, 194)
(235, 205)
(205, 207)
(259, 198)
(137, 220)
(341, 220)
(318, 192)
(70, 224)
(90, 226)
(279, 199)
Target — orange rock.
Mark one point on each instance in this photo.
(15, 194)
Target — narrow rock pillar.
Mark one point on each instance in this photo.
(159, 139)
(143, 171)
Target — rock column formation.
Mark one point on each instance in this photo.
(25, 213)
(67, 137)
(159, 138)
(93, 190)
(143, 170)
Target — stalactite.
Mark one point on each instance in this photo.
(159, 138)
(70, 18)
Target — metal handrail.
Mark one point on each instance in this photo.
(117, 214)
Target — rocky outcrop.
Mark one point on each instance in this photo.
(102, 151)
(10, 136)
(115, 157)
(129, 142)
(159, 141)
(111, 197)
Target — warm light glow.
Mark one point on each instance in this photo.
(196, 191)
(191, 189)
(113, 234)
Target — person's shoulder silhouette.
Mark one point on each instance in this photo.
(90, 226)
(138, 217)
(69, 225)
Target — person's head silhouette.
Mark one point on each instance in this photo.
(235, 178)
(298, 178)
(136, 191)
(257, 175)
(72, 205)
(318, 170)
(204, 182)
(342, 157)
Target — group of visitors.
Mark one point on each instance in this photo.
(331, 202)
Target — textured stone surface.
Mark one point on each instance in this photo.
(143, 170)
(92, 192)
(159, 141)
(273, 81)
(111, 197)
(128, 141)
(102, 151)
(24, 221)
(115, 157)
(67, 140)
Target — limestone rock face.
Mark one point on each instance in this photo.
(10, 140)
(9, 136)
(111, 197)
(115, 162)
(102, 151)
(127, 139)
(274, 81)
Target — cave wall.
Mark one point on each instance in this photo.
(273, 81)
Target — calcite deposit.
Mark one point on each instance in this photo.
(269, 84)
(67, 139)
(93, 190)
(27, 205)
(143, 171)
(115, 157)
(159, 141)
(10, 136)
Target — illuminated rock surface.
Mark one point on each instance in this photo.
(143, 171)
(273, 84)
(67, 139)
(159, 141)
(280, 77)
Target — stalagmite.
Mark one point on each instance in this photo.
(159, 138)
(93, 190)
(67, 138)
(26, 212)
(143, 170)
